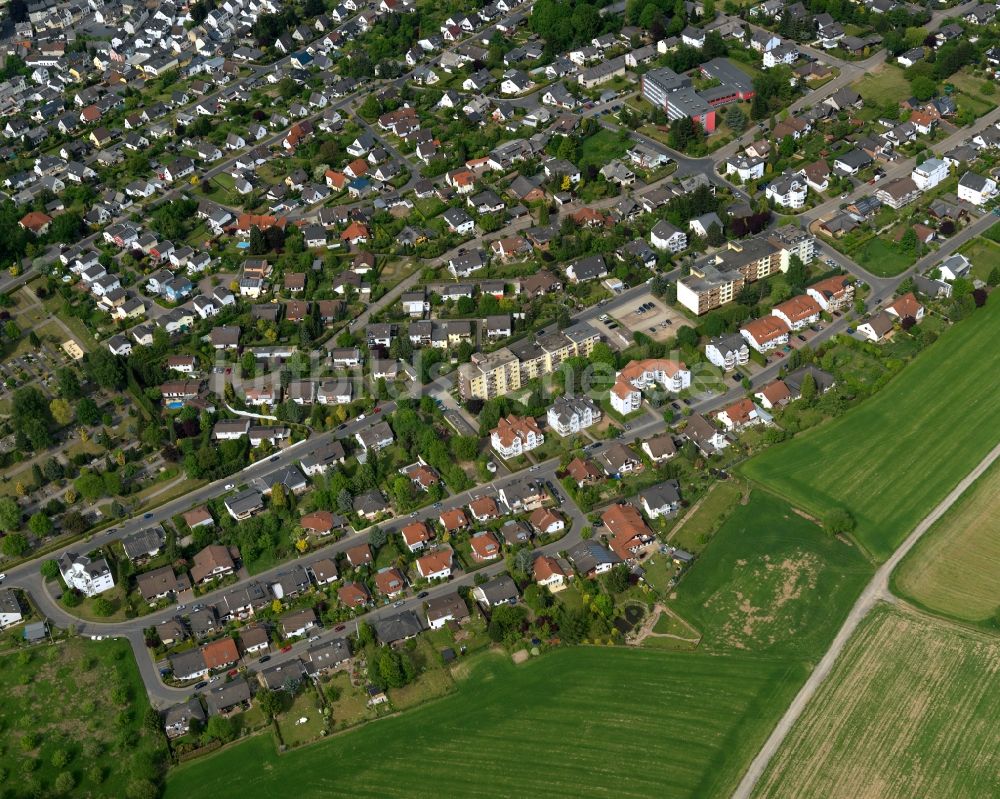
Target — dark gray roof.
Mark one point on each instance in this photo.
(227, 695)
(398, 627)
(144, 542)
(499, 590)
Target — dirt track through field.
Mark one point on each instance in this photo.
(876, 590)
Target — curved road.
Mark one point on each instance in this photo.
(877, 590)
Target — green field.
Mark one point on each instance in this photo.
(955, 568)
(891, 460)
(911, 709)
(698, 716)
(771, 582)
(72, 722)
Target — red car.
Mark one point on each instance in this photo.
(340, 628)
(376, 409)
(286, 648)
(232, 672)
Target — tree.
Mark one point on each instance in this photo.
(687, 336)
(10, 515)
(506, 622)
(923, 88)
(808, 388)
(366, 635)
(90, 485)
(14, 545)
(62, 412)
(68, 383)
(618, 579)
(377, 537)
(279, 498)
(219, 728)
(838, 521)
(40, 524)
(269, 703)
(736, 120)
(105, 369)
(993, 279)
(49, 569)
(102, 607)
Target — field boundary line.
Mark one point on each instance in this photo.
(876, 590)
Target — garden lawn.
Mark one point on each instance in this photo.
(910, 709)
(897, 455)
(883, 86)
(696, 718)
(955, 568)
(984, 255)
(694, 531)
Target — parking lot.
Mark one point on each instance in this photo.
(649, 316)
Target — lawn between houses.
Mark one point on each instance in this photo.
(894, 457)
(910, 709)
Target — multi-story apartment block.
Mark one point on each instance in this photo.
(494, 374)
(717, 279)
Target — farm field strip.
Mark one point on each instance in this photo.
(911, 709)
(955, 568)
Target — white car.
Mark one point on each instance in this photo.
(3, 577)
(229, 487)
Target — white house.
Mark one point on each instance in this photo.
(954, 266)
(664, 236)
(728, 352)
(766, 333)
(747, 167)
(625, 398)
(516, 435)
(570, 415)
(930, 173)
(788, 191)
(798, 312)
(90, 577)
(976, 189)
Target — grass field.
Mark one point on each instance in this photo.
(74, 708)
(771, 582)
(602, 147)
(893, 458)
(910, 709)
(955, 568)
(559, 726)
